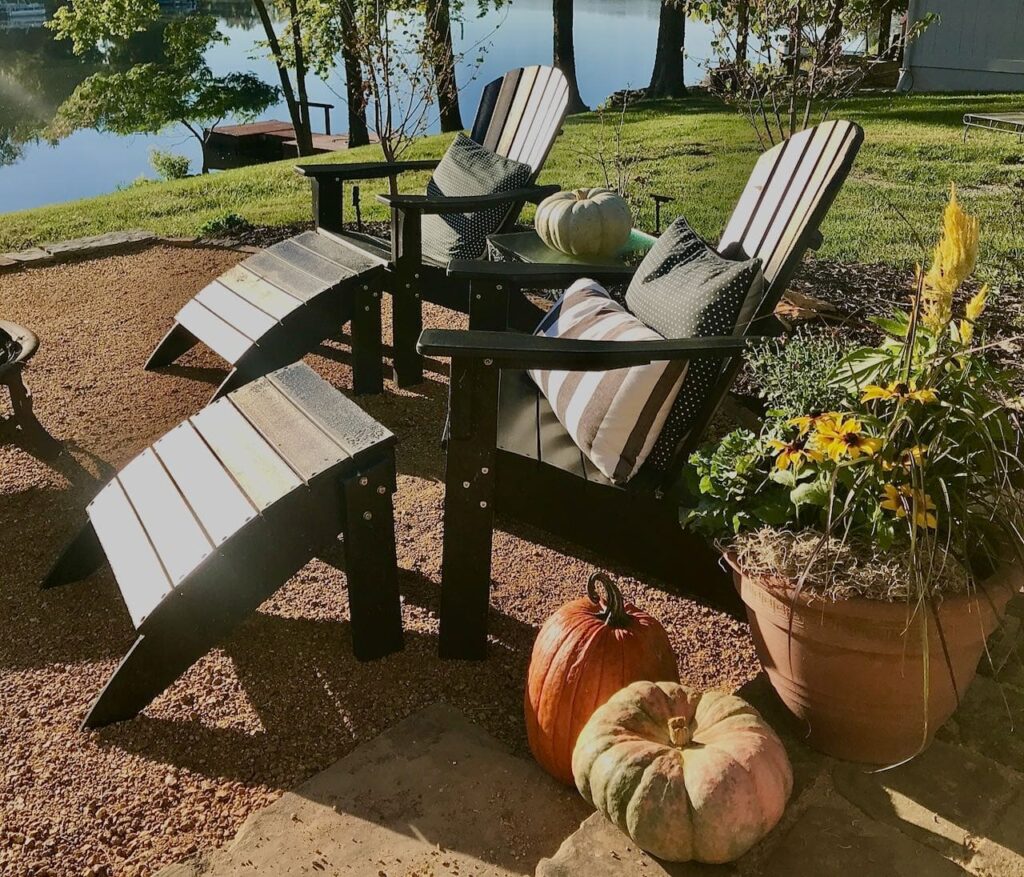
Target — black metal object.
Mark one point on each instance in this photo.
(658, 201)
(17, 346)
(206, 524)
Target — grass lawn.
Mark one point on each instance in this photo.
(695, 150)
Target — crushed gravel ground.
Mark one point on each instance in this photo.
(283, 698)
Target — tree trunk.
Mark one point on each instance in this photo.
(303, 137)
(294, 111)
(355, 86)
(742, 30)
(439, 29)
(885, 29)
(833, 40)
(565, 52)
(667, 78)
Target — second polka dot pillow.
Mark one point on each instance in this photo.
(684, 289)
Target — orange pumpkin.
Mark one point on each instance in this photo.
(586, 652)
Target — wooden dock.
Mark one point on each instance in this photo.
(230, 146)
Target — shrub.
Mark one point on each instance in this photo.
(224, 225)
(794, 374)
(169, 165)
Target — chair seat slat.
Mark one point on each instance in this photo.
(253, 463)
(344, 421)
(222, 338)
(335, 253)
(139, 573)
(177, 536)
(286, 426)
(303, 259)
(235, 310)
(218, 502)
(259, 292)
(289, 278)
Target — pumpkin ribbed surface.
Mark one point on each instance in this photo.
(592, 223)
(687, 776)
(585, 652)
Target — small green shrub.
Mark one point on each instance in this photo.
(795, 375)
(168, 165)
(224, 225)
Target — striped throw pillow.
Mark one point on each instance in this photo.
(613, 416)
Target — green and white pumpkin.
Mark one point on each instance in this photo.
(589, 223)
(686, 775)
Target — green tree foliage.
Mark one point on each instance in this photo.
(147, 98)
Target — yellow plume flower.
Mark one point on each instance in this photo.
(975, 308)
(953, 261)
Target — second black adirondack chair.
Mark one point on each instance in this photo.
(509, 454)
(279, 304)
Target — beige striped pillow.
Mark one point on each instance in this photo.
(613, 416)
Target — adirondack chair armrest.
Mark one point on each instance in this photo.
(519, 351)
(536, 275)
(367, 170)
(432, 204)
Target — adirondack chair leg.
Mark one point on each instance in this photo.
(468, 511)
(176, 342)
(371, 562)
(407, 324)
(154, 661)
(82, 557)
(235, 379)
(367, 350)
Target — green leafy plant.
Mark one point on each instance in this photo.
(788, 373)
(169, 165)
(224, 225)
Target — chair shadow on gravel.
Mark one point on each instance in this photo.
(315, 702)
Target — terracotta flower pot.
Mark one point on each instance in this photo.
(852, 671)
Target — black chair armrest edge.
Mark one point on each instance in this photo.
(373, 170)
(538, 275)
(517, 350)
(427, 204)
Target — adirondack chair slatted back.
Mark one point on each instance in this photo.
(521, 114)
(789, 191)
(786, 198)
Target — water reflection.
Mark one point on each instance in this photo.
(615, 48)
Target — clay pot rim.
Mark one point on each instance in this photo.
(998, 589)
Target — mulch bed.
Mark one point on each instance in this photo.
(283, 698)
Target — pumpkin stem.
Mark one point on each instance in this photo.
(679, 731)
(614, 614)
(581, 194)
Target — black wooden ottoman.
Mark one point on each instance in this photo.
(213, 518)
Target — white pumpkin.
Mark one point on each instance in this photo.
(588, 223)
(685, 775)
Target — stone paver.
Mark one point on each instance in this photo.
(599, 849)
(948, 798)
(434, 795)
(833, 840)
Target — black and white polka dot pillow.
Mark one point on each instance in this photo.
(469, 169)
(684, 289)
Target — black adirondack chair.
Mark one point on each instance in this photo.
(280, 304)
(508, 453)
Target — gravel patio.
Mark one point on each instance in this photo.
(284, 698)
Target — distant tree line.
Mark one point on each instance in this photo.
(400, 60)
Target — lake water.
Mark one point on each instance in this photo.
(615, 41)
